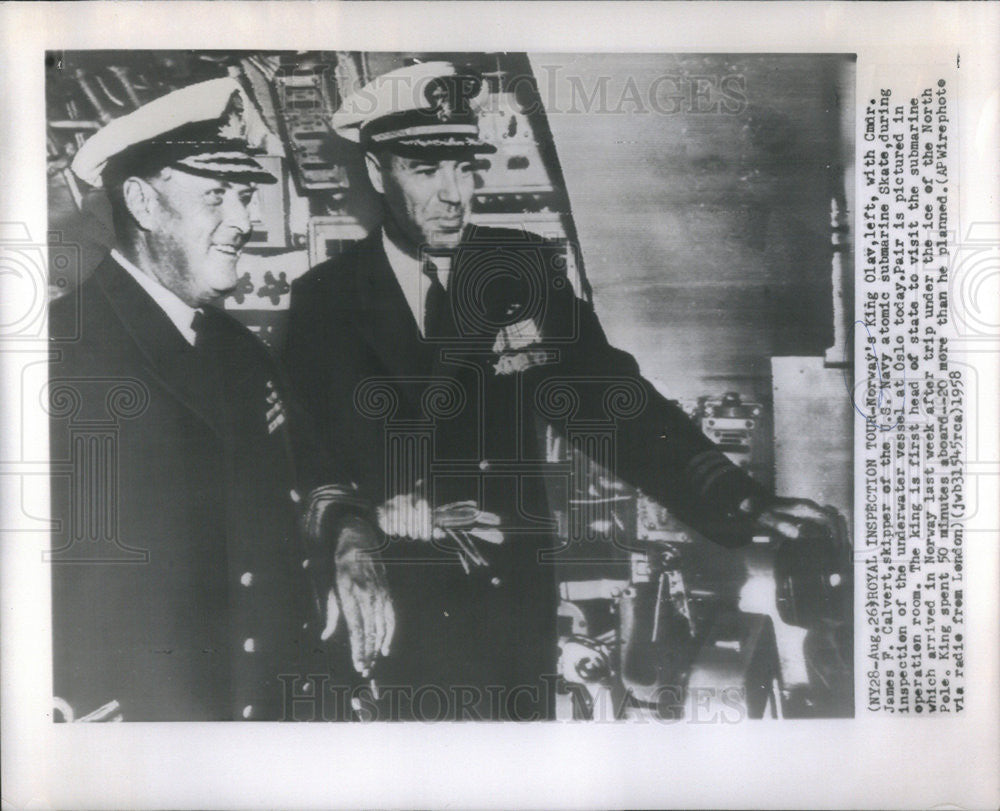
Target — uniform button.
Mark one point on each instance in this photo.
(246, 578)
(249, 645)
(496, 582)
(307, 687)
(294, 496)
(248, 710)
(484, 465)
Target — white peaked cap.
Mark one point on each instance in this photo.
(212, 102)
(428, 104)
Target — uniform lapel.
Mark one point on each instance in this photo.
(384, 318)
(387, 324)
(170, 359)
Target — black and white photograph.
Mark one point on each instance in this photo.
(450, 386)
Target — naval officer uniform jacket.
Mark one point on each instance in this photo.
(487, 415)
(178, 587)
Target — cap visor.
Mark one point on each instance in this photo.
(258, 176)
(410, 147)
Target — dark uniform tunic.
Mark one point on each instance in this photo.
(177, 575)
(358, 360)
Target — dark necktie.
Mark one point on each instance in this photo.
(209, 339)
(208, 369)
(438, 319)
(202, 331)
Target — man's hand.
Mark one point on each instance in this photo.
(792, 518)
(812, 563)
(360, 593)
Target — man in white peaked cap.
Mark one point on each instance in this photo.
(201, 559)
(456, 356)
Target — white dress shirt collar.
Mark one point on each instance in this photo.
(411, 278)
(178, 311)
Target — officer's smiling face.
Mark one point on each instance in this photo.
(428, 200)
(199, 226)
